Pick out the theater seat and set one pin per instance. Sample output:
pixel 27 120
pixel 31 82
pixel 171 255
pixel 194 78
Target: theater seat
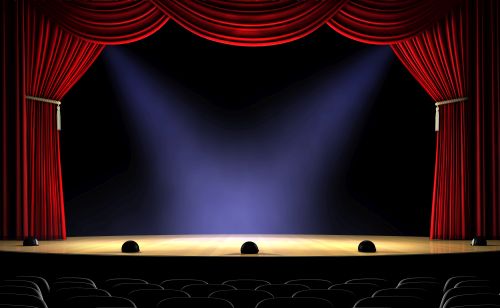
pixel 178 284
pixel 283 290
pixel 246 284
pixel 109 283
pixel 71 284
pixel 421 293
pixel 380 282
pixel 23 300
pixel 312 283
pixel 99 301
pixel 75 279
pixel 62 295
pixel 151 298
pixel 123 289
pixel 21 283
pixel 452 281
pixel 359 289
pixel 204 290
pixel 463 291
pixel 194 302
pixel 294 302
pixel 339 298
pixel 391 301
pixel 472 299
pixel 41 282
pixel 242 298
pixel 20 290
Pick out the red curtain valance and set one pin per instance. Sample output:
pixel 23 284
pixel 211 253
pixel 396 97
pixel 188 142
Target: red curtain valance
pixel 246 23
pixel 105 22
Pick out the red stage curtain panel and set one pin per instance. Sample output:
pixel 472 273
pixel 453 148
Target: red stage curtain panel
pixel 388 21
pixel 250 23
pixel 485 84
pixel 459 58
pixel 105 22
pixel 42 60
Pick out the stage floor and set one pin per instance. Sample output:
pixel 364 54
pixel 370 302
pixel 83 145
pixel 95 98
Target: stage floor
pixel 269 245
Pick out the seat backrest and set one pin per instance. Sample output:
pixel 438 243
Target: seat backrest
pixel 15 306
pixel 194 302
pixel 294 302
pixel 75 279
pixel 204 290
pixel 452 281
pixel 472 299
pixel 312 283
pixel 339 298
pixel 474 283
pixel 123 289
pixel 21 283
pixel 246 284
pixel 178 284
pixel 359 289
pixel 41 282
pixel 242 298
pixel 391 301
pixel 283 290
pixel 420 279
pixel 107 284
pixel 462 291
pixel 99 301
pixel 20 290
pixel 151 298
pixel 479 306
pixel 22 299
pixel 62 295
pixel 380 282
pixel 421 293
pixel 71 284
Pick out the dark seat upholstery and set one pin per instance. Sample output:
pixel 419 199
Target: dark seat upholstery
pixel 109 283
pixel 75 279
pixel 204 290
pixel 150 298
pixel 472 299
pixel 242 298
pixel 312 283
pixel 462 291
pixel 380 282
pixel 246 284
pixel 21 299
pixel 99 301
pixel 194 302
pixel 339 298
pixel 123 289
pixel 294 302
pixel 359 289
pixel 283 290
pixel 41 282
pixel 391 301
pixel 452 281
pixel 178 284
pixel 20 290
pixel 71 284
pixel 62 295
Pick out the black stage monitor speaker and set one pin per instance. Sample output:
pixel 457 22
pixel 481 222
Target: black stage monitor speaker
pixel 249 248
pixel 367 246
pixel 130 247
pixel 479 241
pixel 30 241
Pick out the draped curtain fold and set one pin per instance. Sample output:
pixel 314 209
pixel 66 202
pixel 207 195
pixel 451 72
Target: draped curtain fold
pixel 438 59
pixel 247 23
pixel 48 64
pixel 105 22
pixel 48 46
pixel 388 21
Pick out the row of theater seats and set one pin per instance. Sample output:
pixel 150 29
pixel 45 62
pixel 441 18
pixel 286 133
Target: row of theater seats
pixel 80 292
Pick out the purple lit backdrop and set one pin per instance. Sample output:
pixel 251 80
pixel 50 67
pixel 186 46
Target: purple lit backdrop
pixel 266 176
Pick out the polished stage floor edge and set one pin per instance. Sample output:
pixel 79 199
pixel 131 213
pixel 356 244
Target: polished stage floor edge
pixel 269 245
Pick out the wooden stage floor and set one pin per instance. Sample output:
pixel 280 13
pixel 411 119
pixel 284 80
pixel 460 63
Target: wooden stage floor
pixel 269 245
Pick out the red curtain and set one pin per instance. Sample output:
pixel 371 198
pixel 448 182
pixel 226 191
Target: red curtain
pixel 105 22
pixel 388 21
pixel 250 23
pixel 47 61
pixel 459 58
pixel 485 85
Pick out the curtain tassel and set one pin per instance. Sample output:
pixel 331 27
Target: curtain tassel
pixel 50 101
pixel 450 101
